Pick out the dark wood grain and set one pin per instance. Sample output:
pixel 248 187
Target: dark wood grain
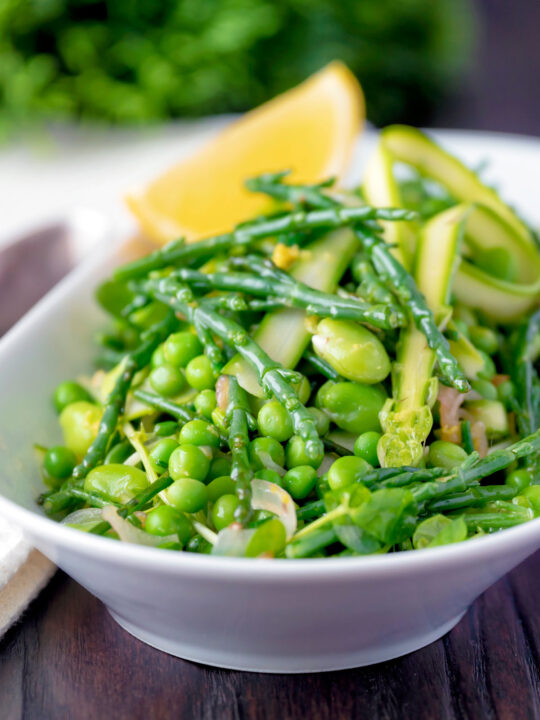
pixel 68 658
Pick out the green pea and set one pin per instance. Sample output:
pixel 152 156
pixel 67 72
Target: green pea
pixel 518 479
pixel 59 461
pixel 188 461
pixel 219 486
pixel 299 481
pixel 162 452
pixel 351 349
pixel 197 544
pixel 506 392
pixel 167 380
pixel 532 493
pixel 205 403
pixel 346 470
pixel 181 347
pixel 445 455
pixel 69 392
pixel 295 454
pixel 223 511
pixel 158 357
pixel 166 520
pixel 199 373
pixel 218 467
pixel 268 539
pixel 199 432
pixel 484 388
pixel 499 262
pixel 352 406
pixel 270 476
pixel 365 447
pixel 118 482
pixel 489 370
pixel 322 423
pixel 79 422
pixel 166 428
pixel 187 494
pixel 484 339
pixel 119 453
pixel 263 449
pixel 274 421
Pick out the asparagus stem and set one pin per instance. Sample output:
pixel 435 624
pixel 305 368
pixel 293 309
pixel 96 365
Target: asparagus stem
pixel 405 289
pixel 525 377
pixel 473 497
pixel 142 498
pixel 268 282
pixel 321 365
pixel 312 543
pixel 243 235
pixel 299 195
pixel 114 406
pixel 371 288
pixel 237 415
pixel 161 403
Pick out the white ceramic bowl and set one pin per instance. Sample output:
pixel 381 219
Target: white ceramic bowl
pixel 270 616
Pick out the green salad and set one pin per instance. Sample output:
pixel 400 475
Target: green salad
pixel 354 372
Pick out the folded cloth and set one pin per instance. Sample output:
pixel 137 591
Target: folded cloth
pixel 23 573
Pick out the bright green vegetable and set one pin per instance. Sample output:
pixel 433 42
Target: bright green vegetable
pixel 167 380
pixel 199 373
pixel 205 403
pixel 80 424
pixel 274 421
pixel 445 455
pixel 365 447
pixel 118 482
pixel 69 392
pixel 352 406
pixel 296 453
pixel 352 350
pixel 187 494
pixel 347 470
pixel 162 452
pixel 299 481
pixel 189 461
pixel 223 512
pixel 165 520
pixel 180 348
pixel 199 432
pixel 59 462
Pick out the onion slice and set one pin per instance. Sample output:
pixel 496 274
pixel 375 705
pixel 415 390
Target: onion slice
pixel 269 496
pixel 232 541
pixel 131 534
pixel 85 519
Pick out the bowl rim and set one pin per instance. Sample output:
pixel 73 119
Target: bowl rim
pixel 50 531
pixel 472 550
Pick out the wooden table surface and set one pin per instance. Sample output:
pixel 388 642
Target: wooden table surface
pixel 68 659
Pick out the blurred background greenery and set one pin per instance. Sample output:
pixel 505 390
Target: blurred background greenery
pixel 144 61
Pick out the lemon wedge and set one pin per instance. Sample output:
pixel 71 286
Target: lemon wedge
pixel 309 130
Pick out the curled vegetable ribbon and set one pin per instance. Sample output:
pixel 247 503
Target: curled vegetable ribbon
pixel 490 224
